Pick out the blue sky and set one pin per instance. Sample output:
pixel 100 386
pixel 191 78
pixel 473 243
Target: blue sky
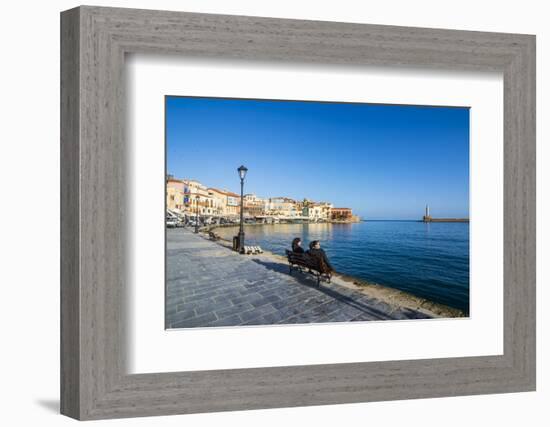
pixel 383 161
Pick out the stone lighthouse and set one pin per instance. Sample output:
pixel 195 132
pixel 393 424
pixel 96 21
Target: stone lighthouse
pixel 427 217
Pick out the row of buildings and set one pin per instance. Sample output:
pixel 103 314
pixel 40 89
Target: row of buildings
pixel 187 196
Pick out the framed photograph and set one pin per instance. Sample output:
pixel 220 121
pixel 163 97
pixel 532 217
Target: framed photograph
pixel 287 276
pixel 262 213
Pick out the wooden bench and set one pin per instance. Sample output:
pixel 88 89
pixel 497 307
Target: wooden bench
pixel 313 265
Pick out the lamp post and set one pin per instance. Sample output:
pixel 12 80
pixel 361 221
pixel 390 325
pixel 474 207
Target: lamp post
pixel 197 197
pixel 242 173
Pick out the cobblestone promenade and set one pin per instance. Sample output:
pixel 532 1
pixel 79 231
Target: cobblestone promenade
pixel 210 285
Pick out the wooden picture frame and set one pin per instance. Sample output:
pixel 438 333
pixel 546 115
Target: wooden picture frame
pixel 94 41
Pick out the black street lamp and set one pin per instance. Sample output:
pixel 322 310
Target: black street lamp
pixel 197 197
pixel 242 173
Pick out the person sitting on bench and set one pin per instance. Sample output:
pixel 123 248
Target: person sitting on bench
pixel 297 246
pixel 315 251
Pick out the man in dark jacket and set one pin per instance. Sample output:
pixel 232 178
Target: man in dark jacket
pixel 315 251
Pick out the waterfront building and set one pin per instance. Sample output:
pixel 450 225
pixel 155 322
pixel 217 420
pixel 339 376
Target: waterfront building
pixel 326 209
pixel 341 214
pixel 175 194
pixel 224 203
pixel 177 184
pixel 174 199
pixel 204 202
pixel 268 207
pixel 253 205
pixel 316 211
pixel 191 190
pixel 320 212
pixel 233 207
pixel 283 207
pixel 219 200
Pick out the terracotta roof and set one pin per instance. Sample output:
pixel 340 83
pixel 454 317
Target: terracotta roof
pixel 217 190
pixel 227 193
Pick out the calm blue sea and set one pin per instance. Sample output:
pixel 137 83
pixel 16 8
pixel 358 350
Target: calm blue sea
pixel 428 260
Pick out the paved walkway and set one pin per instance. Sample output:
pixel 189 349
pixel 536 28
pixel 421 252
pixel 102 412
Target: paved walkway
pixel 210 285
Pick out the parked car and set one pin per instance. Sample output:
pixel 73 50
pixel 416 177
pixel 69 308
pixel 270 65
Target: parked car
pixel 171 222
